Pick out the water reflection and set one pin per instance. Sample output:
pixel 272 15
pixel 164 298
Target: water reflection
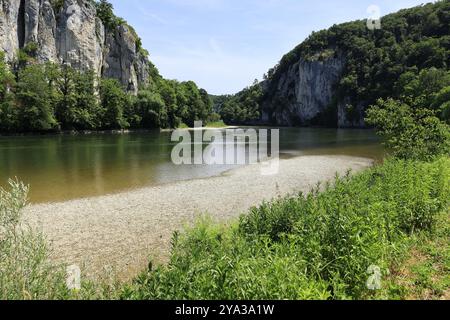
pixel 68 167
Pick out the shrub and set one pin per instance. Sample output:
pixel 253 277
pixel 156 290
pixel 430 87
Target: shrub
pixel 410 133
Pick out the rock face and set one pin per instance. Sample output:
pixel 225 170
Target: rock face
pixel 350 118
pixel 304 92
pixel 11 26
pixel 122 61
pixel 72 35
pixel 80 36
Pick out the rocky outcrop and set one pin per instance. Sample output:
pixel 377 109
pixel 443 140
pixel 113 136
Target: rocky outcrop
pixel 303 92
pixel 80 36
pixel 123 61
pixel 44 32
pixel 11 26
pixel 73 35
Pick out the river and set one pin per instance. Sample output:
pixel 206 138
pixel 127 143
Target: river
pixel 65 167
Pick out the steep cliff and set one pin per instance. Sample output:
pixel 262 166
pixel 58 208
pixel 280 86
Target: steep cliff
pixel 72 33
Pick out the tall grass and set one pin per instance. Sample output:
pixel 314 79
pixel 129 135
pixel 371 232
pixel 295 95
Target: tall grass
pixel 314 246
pixel 25 271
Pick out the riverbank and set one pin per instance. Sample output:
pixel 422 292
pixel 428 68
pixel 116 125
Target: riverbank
pixel 211 126
pixel 378 235
pixel 121 230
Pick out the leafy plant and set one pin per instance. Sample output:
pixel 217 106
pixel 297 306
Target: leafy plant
pixel 410 133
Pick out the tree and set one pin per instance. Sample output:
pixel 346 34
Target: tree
pixel 67 100
pixel 8 110
pixel 105 12
pixel 441 104
pixel 87 110
pixel 36 98
pixel 113 100
pixel 409 133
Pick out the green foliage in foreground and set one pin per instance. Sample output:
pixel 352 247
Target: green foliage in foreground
pixel 25 271
pixel 317 246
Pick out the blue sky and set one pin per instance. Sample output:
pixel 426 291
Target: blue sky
pixel 224 45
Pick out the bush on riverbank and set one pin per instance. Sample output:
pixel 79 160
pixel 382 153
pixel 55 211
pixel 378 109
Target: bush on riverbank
pixel 317 246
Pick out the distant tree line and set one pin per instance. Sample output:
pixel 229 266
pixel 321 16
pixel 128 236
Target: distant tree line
pixel 241 108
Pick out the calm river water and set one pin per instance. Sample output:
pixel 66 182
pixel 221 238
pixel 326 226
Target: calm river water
pixel 64 167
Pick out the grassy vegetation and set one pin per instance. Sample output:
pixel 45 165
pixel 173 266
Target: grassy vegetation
pixel 423 271
pixel 214 124
pixel 317 246
pixel 25 271
pixel 314 246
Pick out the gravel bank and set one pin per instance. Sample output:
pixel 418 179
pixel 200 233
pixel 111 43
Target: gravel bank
pixel 123 230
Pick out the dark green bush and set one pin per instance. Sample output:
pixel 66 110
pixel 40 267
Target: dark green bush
pixel 408 132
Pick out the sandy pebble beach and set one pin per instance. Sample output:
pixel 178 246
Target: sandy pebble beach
pixel 122 231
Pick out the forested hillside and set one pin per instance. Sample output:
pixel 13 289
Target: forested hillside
pixel 333 76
